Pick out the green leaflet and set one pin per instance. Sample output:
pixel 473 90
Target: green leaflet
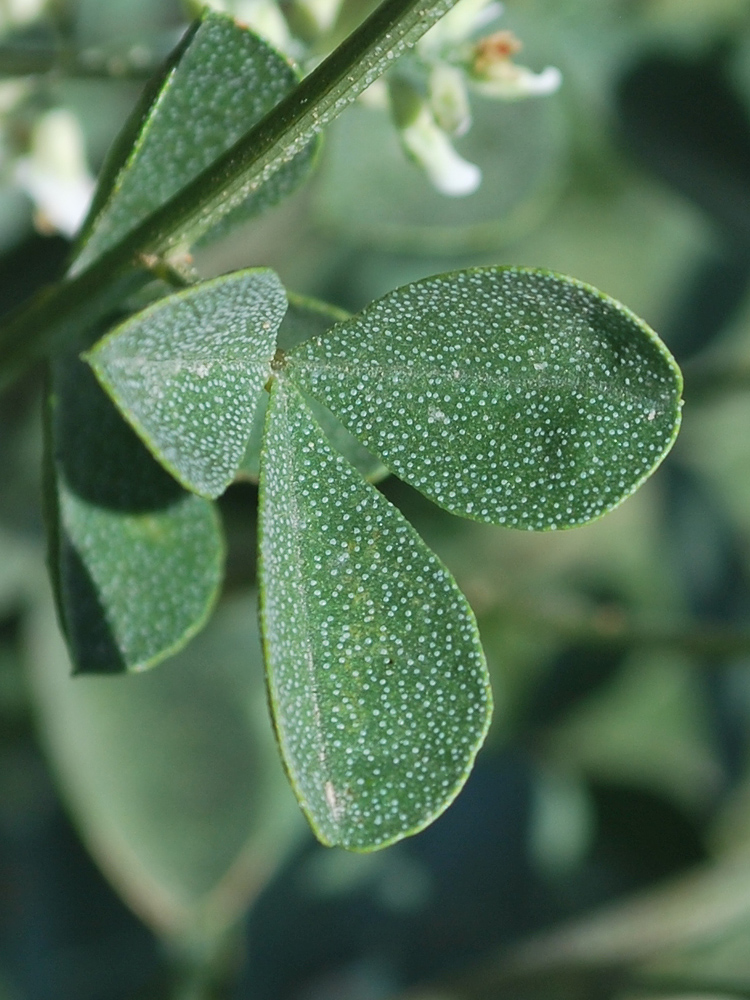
pixel 377 679
pixel 513 396
pixel 306 318
pixel 173 777
pixel 136 562
pixel 188 372
pixel 220 82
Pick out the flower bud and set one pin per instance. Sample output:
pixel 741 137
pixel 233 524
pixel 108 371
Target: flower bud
pixel 427 144
pixel 494 74
pixel 449 99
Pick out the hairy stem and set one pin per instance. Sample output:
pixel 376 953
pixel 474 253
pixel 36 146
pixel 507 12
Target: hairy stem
pixel 81 299
pixel 711 642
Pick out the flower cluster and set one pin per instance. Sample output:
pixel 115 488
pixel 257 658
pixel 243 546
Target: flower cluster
pixel 459 56
pixel 429 93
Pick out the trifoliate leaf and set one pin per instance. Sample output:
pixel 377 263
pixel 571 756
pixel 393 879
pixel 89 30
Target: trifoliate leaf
pixel 513 396
pixel 377 679
pixel 188 371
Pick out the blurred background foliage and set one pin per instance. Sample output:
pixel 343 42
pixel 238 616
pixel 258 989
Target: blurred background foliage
pixel 149 845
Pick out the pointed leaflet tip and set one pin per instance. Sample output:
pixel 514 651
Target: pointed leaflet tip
pixel 376 675
pixel 187 373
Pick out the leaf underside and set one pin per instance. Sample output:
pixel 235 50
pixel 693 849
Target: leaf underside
pixel 377 678
pixel 511 396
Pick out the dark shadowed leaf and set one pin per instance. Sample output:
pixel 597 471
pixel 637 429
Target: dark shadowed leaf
pixel 188 373
pixel 377 678
pixel 136 561
pixel 513 396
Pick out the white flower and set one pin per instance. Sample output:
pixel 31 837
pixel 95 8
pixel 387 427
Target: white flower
pixel 456 58
pixel 492 72
pixel 449 99
pixel 519 82
pixel 427 144
pixel 54 174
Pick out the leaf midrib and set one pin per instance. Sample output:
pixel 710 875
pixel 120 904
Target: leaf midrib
pixel 458 378
pixel 188 364
pixel 302 603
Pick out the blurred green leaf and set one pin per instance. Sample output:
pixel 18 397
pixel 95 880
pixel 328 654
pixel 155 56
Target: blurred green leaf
pixel 136 561
pixel 721 961
pixel 670 935
pixel 306 318
pixel 648 729
pixel 368 191
pixel 378 683
pixel 188 371
pixel 173 776
pixel 19 563
pixel 220 81
pixel 512 396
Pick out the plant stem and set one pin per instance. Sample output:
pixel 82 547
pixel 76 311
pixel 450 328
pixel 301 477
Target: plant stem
pixel 706 641
pixel 51 317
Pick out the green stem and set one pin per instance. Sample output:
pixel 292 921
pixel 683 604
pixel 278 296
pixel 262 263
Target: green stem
pixel 705 640
pixel 203 968
pixel 83 297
